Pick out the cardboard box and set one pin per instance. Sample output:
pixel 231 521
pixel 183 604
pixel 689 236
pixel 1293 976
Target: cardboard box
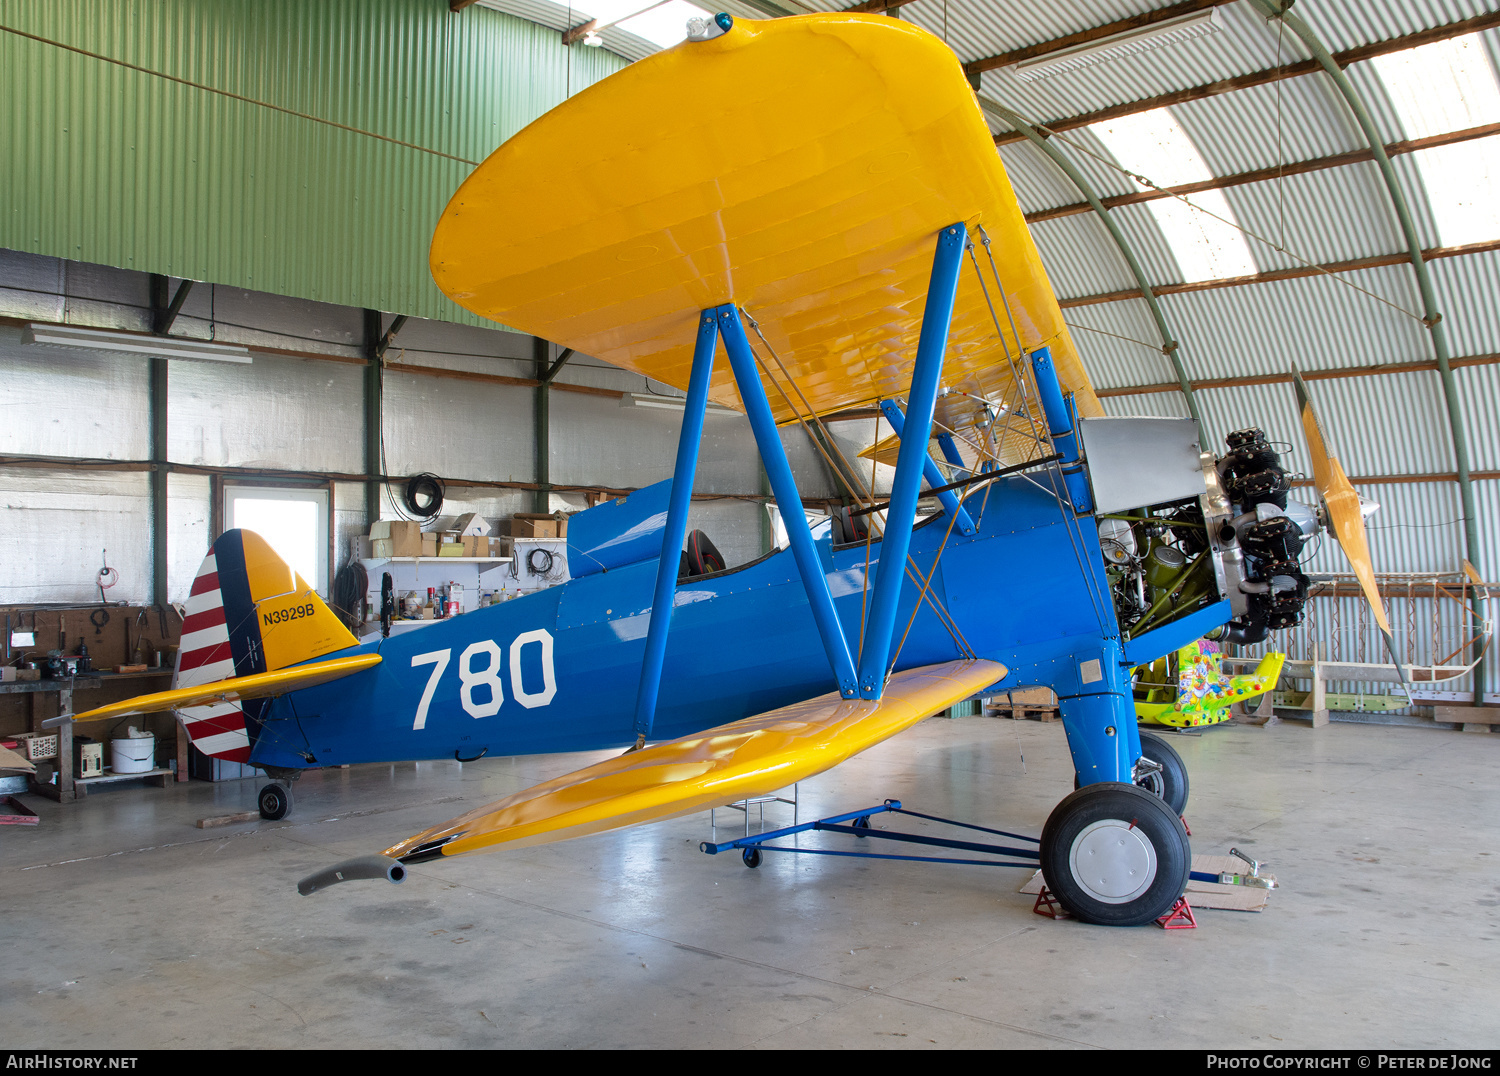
pixel 406 538
pixel 539 525
pixel 451 549
pixel 429 545
pixel 395 538
pixel 472 524
pixel 534 527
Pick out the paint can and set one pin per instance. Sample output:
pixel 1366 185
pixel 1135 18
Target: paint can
pixel 133 754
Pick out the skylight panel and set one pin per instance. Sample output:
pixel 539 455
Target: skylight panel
pixel 1153 144
pixel 1448 86
pixel 664 24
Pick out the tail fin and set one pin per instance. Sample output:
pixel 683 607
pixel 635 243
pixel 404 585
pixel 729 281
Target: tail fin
pixel 249 612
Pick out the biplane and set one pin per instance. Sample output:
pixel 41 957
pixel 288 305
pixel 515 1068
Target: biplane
pixel 819 199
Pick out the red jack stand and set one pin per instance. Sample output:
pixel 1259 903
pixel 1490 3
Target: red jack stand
pixel 1180 917
pixel 1046 904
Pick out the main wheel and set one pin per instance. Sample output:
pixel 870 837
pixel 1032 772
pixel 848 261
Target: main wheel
pixel 1115 854
pixel 275 801
pixel 1171 783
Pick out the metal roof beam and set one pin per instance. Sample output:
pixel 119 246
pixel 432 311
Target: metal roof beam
pixel 1082 37
pixel 1265 175
pixel 1343 59
pixel 1385 479
pixel 876 5
pixel 1373 262
pixel 1307 375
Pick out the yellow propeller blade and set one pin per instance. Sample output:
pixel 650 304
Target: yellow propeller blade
pixel 1311 429
pixel 1345 517
pixel 1348 524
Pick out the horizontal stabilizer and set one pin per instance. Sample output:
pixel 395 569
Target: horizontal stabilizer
pixel 750 757
pixel 234 689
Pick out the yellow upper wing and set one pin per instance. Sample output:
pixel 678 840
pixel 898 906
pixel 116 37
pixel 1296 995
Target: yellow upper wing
pixel 745 758
pixel 800 168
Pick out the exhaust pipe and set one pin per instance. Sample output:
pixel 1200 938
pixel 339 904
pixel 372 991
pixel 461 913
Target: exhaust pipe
pixel 361 867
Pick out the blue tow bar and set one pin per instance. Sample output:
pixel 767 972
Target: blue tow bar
pixel 752 847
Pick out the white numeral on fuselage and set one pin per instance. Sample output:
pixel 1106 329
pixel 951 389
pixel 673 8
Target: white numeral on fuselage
pixel 488 677
pixel 487 655
pixel 440 659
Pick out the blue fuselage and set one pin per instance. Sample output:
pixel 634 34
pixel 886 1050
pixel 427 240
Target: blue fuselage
pixel 558 670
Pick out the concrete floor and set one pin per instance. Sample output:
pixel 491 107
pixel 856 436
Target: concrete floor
pixel 129 928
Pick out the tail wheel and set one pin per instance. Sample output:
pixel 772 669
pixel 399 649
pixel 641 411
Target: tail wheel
pixel 274 802
pixel 1170 783
pixel 1115 854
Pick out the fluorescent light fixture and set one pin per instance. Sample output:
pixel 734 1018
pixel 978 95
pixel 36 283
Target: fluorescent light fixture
pixel 667 403
pixel 161 347
pixel 1118 46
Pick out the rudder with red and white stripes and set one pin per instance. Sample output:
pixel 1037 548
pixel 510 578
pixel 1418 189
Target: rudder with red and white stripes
pixel 247 612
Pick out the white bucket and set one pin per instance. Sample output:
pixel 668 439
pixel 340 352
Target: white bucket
pixel 133 755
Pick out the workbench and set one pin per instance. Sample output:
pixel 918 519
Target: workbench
pixel 52 697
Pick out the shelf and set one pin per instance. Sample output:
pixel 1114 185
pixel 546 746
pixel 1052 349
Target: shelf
pixel 77 683
pixel 378 561
pixel 158 776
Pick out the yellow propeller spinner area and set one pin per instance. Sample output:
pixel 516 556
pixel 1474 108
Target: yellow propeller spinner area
pixel 696 177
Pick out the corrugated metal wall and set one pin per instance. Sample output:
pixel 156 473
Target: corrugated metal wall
pixel 301 153
pixel 304 414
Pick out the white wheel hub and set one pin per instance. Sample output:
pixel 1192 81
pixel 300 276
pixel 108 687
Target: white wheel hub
pixel 1113 861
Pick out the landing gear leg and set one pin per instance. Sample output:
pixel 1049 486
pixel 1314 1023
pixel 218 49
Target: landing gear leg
pixel 1115 854
pixel 1170 781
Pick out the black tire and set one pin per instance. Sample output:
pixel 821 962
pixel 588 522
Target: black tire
pixel 751 856
pixel 275 802
pixel 1116 855
pixel 862 822
pixel 1171 784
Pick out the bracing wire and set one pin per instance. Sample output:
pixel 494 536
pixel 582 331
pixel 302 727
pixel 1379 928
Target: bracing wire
pixel 1042 436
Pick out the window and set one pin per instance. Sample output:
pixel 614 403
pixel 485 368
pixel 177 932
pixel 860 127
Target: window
pixel 293 520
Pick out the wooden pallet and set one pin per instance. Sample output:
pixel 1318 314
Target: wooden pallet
pixel 1029 704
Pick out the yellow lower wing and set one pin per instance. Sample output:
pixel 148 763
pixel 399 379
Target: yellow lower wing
pixel 234 689
pixel 746 758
